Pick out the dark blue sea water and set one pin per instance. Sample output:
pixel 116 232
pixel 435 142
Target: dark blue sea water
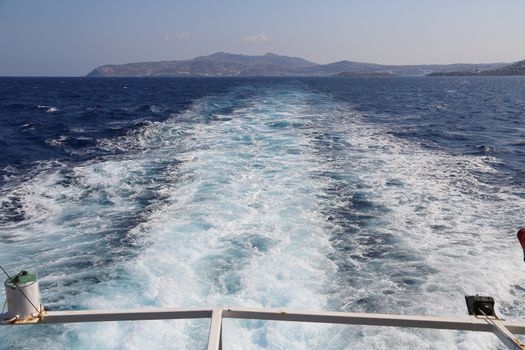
pixel 357 194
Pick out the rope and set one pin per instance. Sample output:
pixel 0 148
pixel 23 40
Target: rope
pixel 20 290
pixel 487 318
pixel 515 340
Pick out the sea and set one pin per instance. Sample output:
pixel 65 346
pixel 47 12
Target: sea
pixel 382 195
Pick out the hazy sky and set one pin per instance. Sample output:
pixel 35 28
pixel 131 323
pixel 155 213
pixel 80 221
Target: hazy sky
pixel 71 37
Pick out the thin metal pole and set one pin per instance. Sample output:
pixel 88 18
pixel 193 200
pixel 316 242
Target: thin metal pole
pixel 220 341
pixel 215 337
pixel 507 337
pixel 141 314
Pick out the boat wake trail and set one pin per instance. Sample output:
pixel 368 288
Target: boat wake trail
pixel 265 196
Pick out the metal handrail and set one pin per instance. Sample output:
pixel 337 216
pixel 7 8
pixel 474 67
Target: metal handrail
pixel 504 329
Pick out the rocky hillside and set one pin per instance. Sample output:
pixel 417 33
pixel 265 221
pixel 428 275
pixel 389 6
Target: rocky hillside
pixel 227 64
pixel 217 64
pixel 517 68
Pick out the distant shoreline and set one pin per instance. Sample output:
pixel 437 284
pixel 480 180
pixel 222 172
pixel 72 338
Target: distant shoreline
pixel 255 77
pixel 223 64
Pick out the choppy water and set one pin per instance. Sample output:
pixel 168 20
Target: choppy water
pixel 378 195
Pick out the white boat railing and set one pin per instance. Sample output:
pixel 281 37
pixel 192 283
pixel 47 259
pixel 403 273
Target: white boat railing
pixel 24 307
pixel 503 329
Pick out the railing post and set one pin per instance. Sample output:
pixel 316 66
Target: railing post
pixel 215 337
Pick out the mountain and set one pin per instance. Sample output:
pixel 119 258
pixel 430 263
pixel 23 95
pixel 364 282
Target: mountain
pixel 269 58
pixel 404 70
pixel 270 64
pixel 517 68
pixel 217 64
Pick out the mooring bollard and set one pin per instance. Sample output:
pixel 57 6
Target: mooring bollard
pixel 22 296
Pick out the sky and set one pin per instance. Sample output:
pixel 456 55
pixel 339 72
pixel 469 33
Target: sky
pixel 71 37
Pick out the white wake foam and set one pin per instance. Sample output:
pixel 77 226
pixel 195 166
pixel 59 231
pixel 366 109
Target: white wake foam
pixel 259 207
